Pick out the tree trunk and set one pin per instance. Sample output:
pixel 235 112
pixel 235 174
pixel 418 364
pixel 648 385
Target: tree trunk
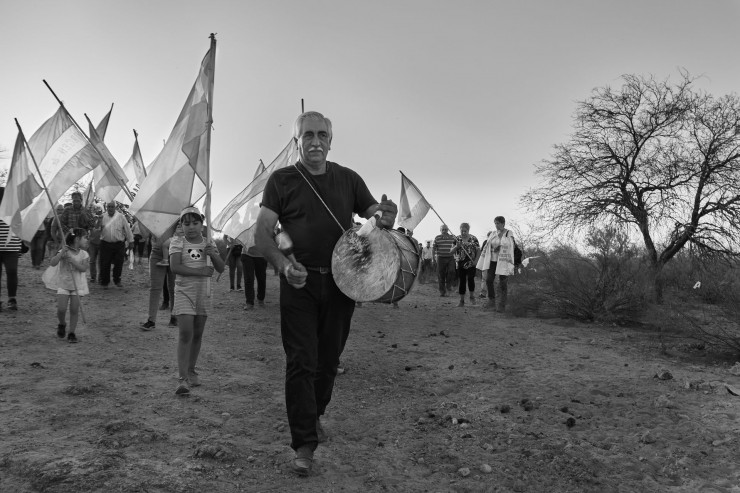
pixel 656 279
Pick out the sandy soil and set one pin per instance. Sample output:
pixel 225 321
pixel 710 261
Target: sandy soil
pixel 435 398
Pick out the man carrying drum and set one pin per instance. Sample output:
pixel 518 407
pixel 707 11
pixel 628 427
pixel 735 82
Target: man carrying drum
pixel 314 202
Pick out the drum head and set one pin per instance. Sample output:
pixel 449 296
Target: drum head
pixel 365 268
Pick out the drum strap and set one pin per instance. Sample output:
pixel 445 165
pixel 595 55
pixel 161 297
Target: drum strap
pixel 319 196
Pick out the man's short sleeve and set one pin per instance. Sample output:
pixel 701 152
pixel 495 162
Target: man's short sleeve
pixel 270 196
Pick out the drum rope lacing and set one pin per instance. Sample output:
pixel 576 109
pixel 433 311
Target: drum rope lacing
pixel 322 200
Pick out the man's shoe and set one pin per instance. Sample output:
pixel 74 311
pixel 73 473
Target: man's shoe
pixel 12 304
pixel 183 387
pixel 173 321
pixel 261 303
pixel 164 306
pixel 71 338
pixel 320 433
pixel 148 325
pixel 119 285
pixel 240 288
pixel 61 330
pixel 249 307
pixel 303 460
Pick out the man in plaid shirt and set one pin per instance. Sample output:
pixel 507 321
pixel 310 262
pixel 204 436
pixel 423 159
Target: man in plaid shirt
pixel 76 216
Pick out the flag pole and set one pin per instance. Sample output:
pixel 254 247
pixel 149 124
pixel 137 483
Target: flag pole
pixel 136 141
pixel 209 123
pixel 124 187
pixel 53 209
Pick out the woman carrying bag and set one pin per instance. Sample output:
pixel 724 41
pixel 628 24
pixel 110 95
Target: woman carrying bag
pixel 497 259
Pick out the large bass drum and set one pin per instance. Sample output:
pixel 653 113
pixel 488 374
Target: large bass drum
pixel 380 266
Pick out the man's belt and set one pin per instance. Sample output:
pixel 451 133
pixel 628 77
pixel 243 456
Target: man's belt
pixel 320 270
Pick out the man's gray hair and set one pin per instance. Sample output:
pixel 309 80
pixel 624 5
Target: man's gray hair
pixel 310 115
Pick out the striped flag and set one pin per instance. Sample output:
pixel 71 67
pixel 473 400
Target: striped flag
pixel 108 175
pixel 260 169
pixel 20 189
pixel 177 177
pixel 239 216
pixel 134 169
pixel 413 206
pixel 63 155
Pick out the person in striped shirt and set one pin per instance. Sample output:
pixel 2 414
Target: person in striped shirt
pixel 442 247
pixel 10 248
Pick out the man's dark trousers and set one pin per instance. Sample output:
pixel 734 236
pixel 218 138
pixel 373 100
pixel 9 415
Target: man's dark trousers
pixel 445 273
pixel 314 323
pixel 111 253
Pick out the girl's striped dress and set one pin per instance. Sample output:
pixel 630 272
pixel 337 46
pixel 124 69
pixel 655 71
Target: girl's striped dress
pixel 191 292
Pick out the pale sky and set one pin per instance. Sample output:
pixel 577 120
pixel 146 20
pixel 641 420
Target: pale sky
pixel 463 96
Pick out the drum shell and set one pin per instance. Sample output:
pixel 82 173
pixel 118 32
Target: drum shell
pixel 386 275
pixel 410 257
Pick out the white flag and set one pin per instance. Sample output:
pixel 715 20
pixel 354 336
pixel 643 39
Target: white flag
pixel 135 174
pixel 63 155
pixel 177 177
pixel 239 216
pixel 21 188
pixel 413 206
pixel 108 175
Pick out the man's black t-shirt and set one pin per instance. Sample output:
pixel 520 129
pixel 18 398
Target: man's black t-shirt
pixel 302 215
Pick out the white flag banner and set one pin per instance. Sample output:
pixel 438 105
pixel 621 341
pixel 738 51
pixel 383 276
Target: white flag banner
pixel 135 174
pixel 63 155
pixel 239 216
pixel 413 207
pixel 177 177
pixel 20 189
pixel 108 175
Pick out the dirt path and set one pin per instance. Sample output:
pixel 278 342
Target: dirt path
pixel 435 398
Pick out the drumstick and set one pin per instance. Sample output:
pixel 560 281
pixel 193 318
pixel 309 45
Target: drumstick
pixel 369 225
pixel 285 245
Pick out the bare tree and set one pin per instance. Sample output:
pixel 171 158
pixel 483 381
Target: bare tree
pixel 661 157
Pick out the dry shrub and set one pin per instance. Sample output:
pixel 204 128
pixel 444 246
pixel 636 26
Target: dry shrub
pixel 711 311
pixel 525 299
pixel 606 285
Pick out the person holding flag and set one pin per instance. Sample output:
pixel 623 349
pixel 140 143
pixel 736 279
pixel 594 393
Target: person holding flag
pixel 465 250
pixel 314 201
pixel 188 262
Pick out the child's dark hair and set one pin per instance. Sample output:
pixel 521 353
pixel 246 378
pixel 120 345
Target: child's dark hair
pixel 74 233
pixel 192 217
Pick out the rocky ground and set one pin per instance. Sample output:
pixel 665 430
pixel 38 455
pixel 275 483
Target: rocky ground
pixel 435 398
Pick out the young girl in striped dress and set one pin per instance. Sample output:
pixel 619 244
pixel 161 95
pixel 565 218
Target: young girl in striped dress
pixel 192 300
